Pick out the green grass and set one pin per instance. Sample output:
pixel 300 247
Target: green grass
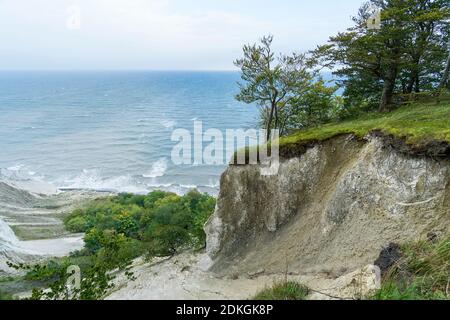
pixel 423 273
pixel 5 296
pixel 417 123
pixel 283 291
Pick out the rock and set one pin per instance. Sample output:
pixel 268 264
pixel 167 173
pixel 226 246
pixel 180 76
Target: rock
pixel 388 257
pixel 333 207
pixel 357 285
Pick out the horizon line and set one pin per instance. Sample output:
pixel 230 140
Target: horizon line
pixel 119 70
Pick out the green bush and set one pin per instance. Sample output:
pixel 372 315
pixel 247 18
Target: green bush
pixel 287 290
pixel 117 250
pixel 119 229
pixel 162 222
pixel 76 224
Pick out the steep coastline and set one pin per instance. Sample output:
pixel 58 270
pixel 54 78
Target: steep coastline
pixel 334 205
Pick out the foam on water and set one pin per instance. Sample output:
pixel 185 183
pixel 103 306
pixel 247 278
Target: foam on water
pixel 168 124
pixel 158 169
pixel 93 180
pixel 112 131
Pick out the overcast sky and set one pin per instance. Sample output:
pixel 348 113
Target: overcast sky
pixel 158 34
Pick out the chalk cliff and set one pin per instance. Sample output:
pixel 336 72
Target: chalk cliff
pixel 332 207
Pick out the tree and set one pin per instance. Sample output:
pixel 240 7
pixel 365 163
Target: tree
pixel 406 53
pixel 444 79
pixel 426 47
pixel 269 81
pixel 316 106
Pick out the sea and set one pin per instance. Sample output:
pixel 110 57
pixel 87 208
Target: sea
pixel 112 131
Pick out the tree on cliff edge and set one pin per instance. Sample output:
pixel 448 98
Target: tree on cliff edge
pixel 271 82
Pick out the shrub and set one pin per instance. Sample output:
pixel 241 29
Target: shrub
pixel 76 224
pixel 287 290
pixel 119 229
pixel 165 240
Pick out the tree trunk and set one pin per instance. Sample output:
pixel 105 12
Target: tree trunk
pixel 413 82
pixel 277 120
pixel 269 122
pixel 389 81
pixel 388 91
pixel 444 78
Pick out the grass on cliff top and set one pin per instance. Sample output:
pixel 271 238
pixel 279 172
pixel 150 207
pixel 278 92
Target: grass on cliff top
pixel 417 123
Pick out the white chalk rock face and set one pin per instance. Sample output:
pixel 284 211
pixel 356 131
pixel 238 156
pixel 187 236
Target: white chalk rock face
pixel 332 207
pixel 357 285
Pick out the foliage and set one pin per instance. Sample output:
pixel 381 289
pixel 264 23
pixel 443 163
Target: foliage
pixel 375 67
pixel 162 222
pixel 423 273
pixel 5 296
pixel 316 106
pixel 117 230
pixel 271 82
pixel 408 53
pixel 286 290
pixel 53 275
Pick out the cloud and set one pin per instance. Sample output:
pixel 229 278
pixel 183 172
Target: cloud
pixel 128 33
pixel 144 34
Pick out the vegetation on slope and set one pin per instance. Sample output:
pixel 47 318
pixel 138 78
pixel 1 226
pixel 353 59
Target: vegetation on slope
pixel 161 222
pixel 418 123
pixel 422 273
pixel 375 68
pixel 286 290
pixel 117 230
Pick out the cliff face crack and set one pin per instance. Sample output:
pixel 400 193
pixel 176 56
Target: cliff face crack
pixel 416 203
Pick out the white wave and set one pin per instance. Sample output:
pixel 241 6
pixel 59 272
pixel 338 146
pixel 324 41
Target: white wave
pixel 93 180
pixel 158 169
pixel 16 168
pixel 213 184
pixel 159 185
pixel 188 186
pixel 169 124
pixel 179 189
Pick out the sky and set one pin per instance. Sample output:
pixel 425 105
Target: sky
pixel 158 34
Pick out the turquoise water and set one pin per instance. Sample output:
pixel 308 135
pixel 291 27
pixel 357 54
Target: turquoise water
pixel 112 130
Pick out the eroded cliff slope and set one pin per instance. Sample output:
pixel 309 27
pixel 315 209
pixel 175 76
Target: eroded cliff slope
pixel 331 208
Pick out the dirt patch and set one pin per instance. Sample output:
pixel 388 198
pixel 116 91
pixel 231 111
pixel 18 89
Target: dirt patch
pixel 432 148
pixel 388 257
